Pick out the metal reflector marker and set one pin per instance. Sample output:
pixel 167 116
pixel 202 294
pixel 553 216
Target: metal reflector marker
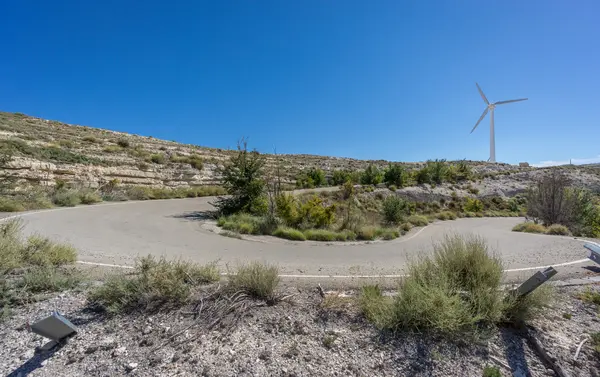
pixel 54 327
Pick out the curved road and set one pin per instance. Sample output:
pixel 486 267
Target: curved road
pixel 117 233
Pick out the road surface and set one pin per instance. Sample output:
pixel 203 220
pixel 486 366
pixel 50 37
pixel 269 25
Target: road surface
pixel 118 233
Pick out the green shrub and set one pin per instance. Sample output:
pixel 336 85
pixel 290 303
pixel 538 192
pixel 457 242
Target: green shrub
pixel 388 233
pixel 395 175
pixel 446 215
pixel 491 371
pixel 42 251
pixel 123 143
pixel 196 162
pixel 243 179
pixel 256 279
pixel 112 149
pixel 247 224
pixel 315 214
pixel 519 310
pixel 289 233
pixel 557 229
pixel 287 209
pixel 328 235
pixel 158 158
pixel 394 209
pixel 11 205
pixel 473 205
pixel 90 139
pixel 392 188
pixel 89 197
pixel 314 177
pixel 528 227
pixel 371 176
pixel 66 198
pixel 423 175
pixel 407 226
pixel 589 295
pixel 49 279
pixel 453 292
pixel 367 233
pixel 418 220
pixel 340 177
pixel 438 170
pixel 155 284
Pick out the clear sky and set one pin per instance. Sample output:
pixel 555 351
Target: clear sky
pixel 365 79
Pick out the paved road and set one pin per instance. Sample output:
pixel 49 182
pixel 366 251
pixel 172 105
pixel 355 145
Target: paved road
pixel 117 233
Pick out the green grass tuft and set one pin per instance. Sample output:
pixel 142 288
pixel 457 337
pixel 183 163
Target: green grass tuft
pixel 289 233
pixel 418 220
pixel 156 284
pixel 528 227
pixel 557 229
pixel 256 279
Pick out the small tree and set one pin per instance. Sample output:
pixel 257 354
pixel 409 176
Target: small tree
pixel 395 174
pixel 371 176
pixel 549 201
pixel 243 180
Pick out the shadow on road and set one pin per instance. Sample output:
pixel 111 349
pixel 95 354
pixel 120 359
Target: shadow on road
pixel 195 215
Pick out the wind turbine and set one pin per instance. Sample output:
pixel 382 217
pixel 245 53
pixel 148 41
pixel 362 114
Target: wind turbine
pixel 491 107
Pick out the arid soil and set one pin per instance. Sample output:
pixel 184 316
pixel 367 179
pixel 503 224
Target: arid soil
pixel 302 336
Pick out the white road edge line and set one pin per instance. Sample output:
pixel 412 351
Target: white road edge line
pixel 357 276
pixel 291 276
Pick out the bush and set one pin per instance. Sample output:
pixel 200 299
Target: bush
pixel 89 197
pixel 243 180
pixel 340 177
pixel 453 292
pixel 418 220
pixel 158 158
pixel 287 209
pixel 473 205
pixel 48 279
pixel 446 215
pixel 438 170
pixel 66 198
pixel 244 223
pixel 315 214
pixel 328 235
pixel 256 279
pixel 11 205
pixel 42 251
pixel 491 371
pixel 314 177
pixel 289 233
pixel 123 143
pixel 90 139
pixel 388 233
pixel 394 208
pixel 112 149
pixel 196 162
pixel 519 310
pixel 423 175
pixel 395 175
pixel 557 229
pixel 155 284
pixel 367 233
pixel 528 227
pixel 371 176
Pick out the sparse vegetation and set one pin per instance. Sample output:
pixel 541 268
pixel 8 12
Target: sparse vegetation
pixel 454 292
pixel 394 209
pixel 491 371
pixel 289 233
pixel 158 158
pixel 557 229
pixel 155 284
pixel 529 227
pixel 31 265
pixel 256 279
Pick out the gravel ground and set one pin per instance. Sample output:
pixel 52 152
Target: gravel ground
pixel 299 337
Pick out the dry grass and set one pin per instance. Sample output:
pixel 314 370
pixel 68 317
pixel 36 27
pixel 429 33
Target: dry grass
pixel 155 284
pixel 256 279
pixel 455 292
pixel 529 227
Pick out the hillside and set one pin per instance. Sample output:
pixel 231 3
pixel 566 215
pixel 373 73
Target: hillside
pixel 44 152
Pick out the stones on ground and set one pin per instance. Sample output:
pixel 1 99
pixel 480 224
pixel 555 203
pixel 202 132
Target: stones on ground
pixel 91 349
pixel 131 366
pixel 147 330
pixel 120 351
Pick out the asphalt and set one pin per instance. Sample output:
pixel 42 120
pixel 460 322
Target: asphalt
pixel 118 233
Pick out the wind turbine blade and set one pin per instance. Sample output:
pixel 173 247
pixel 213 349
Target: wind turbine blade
pixel 511 100
pixel 480 119
pixel 482 95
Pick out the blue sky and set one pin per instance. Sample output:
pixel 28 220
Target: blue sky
pixel 365 79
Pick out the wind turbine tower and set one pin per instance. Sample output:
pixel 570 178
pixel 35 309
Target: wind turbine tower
pixel 491 107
